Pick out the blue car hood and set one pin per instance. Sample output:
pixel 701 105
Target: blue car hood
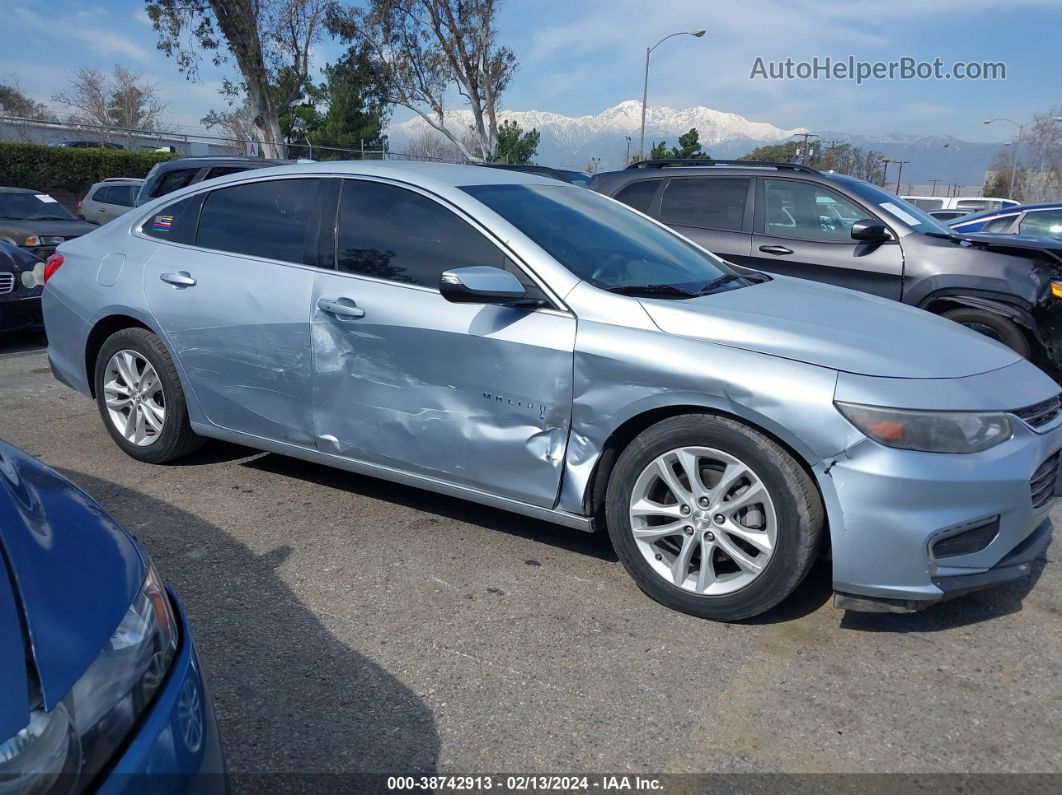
pixel 832 327
pixel 69 573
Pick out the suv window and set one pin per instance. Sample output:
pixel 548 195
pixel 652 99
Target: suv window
pixel 1042 222
pixel 122 195
pixel 221 171
pixel 926 204
pixel 260 219
pixel 712 202
pixel 396 234
pixel 639 195
pixel 173 180
pixel 806 211
pixel 175 222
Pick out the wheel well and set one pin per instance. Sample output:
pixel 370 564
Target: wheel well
pixel 594 498
pixel 99 334
pixel 938 306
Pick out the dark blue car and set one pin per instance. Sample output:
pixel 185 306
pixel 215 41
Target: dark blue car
pixel 100 686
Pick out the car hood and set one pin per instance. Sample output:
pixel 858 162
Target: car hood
pixel 65 229
pixel 72 571
pixel 832 327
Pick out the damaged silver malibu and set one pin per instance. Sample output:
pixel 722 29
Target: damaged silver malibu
pixel 527 344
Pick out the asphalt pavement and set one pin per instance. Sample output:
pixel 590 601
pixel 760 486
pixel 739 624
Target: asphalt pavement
pixel 352 625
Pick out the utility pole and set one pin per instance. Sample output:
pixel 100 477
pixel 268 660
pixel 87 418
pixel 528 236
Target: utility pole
pixel 934 182
pixel 885 170
pixel 899 173
pixel 804 150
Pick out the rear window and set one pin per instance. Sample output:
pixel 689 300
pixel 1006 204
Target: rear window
pixel 639 195
pixel 260 219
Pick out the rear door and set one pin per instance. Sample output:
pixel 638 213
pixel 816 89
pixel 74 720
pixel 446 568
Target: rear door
pixel 804 229
pixel 232 297
pixel 713 211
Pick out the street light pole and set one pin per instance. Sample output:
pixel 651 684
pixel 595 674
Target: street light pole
pixel 1017 146
pixel 645 84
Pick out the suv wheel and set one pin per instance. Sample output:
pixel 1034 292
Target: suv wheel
pixel 712 518
pixel 992 325
pixel 140 398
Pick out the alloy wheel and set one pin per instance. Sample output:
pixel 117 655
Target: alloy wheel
pixel 703 520
pixel 133 394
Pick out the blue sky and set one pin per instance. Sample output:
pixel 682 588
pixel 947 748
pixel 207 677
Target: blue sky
pixel 582 56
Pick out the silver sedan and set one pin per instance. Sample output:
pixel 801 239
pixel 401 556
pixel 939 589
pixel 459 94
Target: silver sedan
pixel 523 343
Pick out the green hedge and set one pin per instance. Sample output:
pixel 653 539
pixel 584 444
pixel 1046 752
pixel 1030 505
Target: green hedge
pixel 57 168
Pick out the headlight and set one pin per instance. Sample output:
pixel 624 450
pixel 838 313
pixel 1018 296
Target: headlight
pixel 929 431
pixel 37 240
pixel 73 741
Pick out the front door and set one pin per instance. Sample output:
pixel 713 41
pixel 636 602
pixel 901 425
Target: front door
pixel 804 229
pixel 473 394
pixel 233 303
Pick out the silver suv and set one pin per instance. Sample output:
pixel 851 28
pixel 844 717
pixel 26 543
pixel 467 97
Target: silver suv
pixel 109 199
pixel 511 340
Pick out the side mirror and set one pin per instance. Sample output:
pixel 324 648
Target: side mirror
pixel 870 230
pixel 480 284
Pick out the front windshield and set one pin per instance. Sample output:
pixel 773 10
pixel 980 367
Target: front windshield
pixel 895 207
pixel 32 207
pixel 601 241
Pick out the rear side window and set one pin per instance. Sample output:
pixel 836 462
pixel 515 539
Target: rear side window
pixel 175 223
pixel 101 195
pixel 710 202
pixel 396 234
pixel 173 180
pixel 639 195
pixel 260 219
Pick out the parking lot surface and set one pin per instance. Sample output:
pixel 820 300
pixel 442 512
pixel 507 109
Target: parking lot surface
pixel 352 625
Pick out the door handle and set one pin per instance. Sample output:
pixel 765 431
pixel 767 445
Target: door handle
pixel 178 279
pixel 776 250
pixel 342 307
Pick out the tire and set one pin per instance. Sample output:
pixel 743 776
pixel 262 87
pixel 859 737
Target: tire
pixel 992 325
pixel 731 592
pixel 165 440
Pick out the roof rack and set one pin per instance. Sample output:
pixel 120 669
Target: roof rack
pixel 706 162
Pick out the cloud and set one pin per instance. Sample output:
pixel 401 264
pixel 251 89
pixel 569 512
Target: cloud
pixel 98 40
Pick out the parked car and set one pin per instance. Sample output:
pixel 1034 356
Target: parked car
pixel 794 220
pixel 87 145
pixel 947 215
pixel 36 222
pixel 523 343
pixel 106 200
pixel 1044 220
pixel 20 290
pixel 100 676
pixel 579 178
pixel 970 204
pixel 171 175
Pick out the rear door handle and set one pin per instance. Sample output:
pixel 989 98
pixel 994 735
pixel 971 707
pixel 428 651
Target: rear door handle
pixel 178 279
pixel 341 307
pixel 776 250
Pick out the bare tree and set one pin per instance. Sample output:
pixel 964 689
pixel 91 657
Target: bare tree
pixel 237 124
pixel 118 103
pixel 427 48
pixel 270 40
pixel 426 144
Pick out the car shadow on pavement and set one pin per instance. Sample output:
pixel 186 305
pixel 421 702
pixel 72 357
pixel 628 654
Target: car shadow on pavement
pixel 22 341
pixel 809 597
pixel 973 608
pixel 593 544
pixel 297 709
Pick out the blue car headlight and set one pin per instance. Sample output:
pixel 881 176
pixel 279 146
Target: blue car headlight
pixel 62 750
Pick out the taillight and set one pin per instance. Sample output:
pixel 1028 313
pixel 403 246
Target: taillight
pixel 51 265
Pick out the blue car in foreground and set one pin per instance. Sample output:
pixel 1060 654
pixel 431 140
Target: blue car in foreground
pixel 100 685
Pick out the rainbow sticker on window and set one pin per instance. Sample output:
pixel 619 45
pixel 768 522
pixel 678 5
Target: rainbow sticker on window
pixel 162 223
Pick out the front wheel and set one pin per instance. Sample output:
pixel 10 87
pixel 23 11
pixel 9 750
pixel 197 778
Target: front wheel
pixel 992 325
pixel 712 518
pixel 140 398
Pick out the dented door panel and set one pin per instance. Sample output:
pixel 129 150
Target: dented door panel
pixel 478 395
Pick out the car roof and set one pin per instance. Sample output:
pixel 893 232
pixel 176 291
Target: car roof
pixel 1012 210
pixel 199 162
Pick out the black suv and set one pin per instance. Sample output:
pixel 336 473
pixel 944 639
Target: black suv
pixel 794 220
pixel 171 175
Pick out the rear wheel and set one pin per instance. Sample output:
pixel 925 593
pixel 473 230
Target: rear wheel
pixel 712 518
pixel 140 398
pixel 992 325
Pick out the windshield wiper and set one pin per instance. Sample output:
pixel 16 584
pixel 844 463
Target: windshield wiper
pixel 727 278
pixel 652 290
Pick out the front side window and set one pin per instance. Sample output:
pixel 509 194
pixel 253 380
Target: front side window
pixel 122 195
pixel 808 212
pixel 639 195
pixel 603 242
pixel 268 219
pixel 709 202
pixel 1042 222
pixel 395 234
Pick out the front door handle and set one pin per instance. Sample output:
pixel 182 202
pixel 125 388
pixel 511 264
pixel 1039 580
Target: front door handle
pixel 341 307
pixel 178 279
pixel 776 250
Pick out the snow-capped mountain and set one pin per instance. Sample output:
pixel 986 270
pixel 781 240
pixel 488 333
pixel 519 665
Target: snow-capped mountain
pixel 571 141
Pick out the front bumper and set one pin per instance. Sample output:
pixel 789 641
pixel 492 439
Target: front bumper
pixel 175 747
